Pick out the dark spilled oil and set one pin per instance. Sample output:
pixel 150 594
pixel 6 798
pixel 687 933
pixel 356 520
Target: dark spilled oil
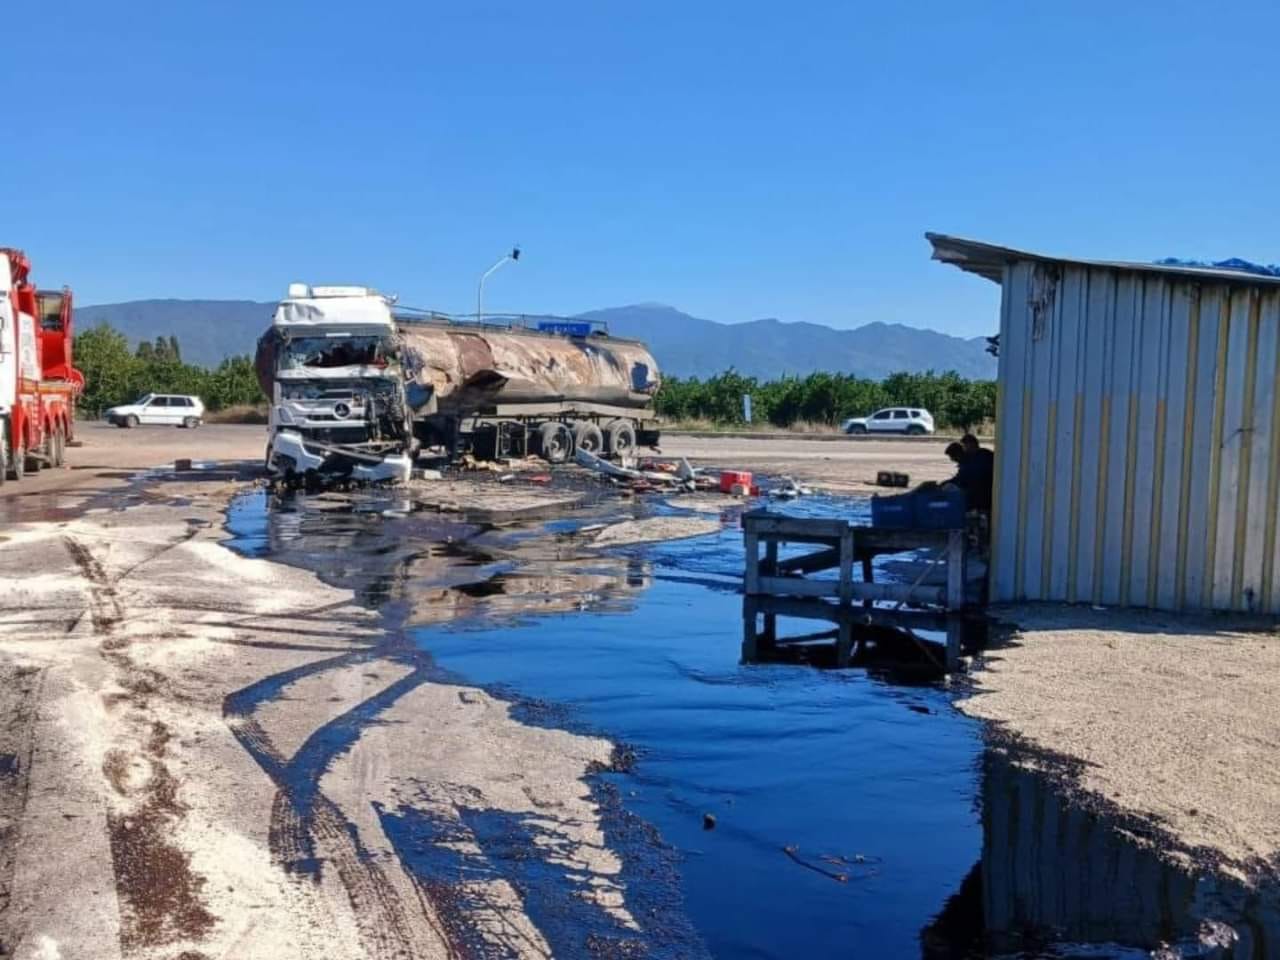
pixel 761 809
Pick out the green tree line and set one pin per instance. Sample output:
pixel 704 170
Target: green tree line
pixel 827 398
pixel 114 374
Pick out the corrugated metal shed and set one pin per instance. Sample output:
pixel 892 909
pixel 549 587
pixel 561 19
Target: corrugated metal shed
pixel 1137 432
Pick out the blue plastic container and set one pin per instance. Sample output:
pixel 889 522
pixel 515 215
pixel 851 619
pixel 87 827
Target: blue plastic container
pixel 939 509
pixel 897 512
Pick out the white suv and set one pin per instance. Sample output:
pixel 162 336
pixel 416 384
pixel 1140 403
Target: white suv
pixel 163 408
pixel 910 420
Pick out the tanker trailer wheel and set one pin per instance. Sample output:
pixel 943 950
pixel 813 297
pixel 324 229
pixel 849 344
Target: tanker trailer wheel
pixel 555 442
pixel 587 436
pixel 619 438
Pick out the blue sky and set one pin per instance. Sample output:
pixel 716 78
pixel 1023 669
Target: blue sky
pixel 736 160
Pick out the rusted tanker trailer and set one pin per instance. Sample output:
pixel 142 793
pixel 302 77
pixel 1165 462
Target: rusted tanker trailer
pixel 500 390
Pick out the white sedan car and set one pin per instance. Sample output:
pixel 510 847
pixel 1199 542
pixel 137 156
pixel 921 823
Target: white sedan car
pixel 913 421
pixel 173 410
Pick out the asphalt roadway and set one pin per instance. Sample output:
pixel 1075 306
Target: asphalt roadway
pixel 108 455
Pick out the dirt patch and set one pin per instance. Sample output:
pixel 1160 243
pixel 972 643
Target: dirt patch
pixel 160 896
pixel 115 767
pixel 653 529
pixel 1168 719
pixel 104 605
pixel 160 737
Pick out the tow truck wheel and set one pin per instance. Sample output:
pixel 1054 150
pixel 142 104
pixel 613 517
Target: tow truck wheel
pixel 587 436
pixel 555 442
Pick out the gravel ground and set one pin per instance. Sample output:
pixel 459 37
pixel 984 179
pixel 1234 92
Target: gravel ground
pixel 1168 719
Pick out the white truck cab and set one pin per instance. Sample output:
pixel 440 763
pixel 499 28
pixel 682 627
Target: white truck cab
pixel 338 409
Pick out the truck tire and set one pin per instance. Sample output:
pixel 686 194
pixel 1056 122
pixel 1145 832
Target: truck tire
pixel 4 452
pixel 58 447
pixel 587 436
pixel 17 463
pixel 555 442
pixel 619 438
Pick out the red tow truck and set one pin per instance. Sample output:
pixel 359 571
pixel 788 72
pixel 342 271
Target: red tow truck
pixel 38 382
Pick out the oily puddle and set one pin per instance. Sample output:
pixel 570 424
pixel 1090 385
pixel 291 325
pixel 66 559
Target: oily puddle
pixel 806 812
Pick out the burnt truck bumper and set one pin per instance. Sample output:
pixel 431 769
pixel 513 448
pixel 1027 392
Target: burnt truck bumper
pixel 290 455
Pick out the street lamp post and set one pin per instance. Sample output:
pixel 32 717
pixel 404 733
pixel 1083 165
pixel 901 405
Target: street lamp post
pixel 512 256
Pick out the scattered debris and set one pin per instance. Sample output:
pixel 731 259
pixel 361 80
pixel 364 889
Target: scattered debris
pixel 600 465
pixel 793 852
pixel 469 462
pixel 788 489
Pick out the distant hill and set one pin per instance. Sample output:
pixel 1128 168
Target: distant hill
pixel 684 346
pixel 689 346
pixel 207 330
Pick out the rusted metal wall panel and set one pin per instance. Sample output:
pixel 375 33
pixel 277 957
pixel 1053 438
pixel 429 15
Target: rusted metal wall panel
pixel 1138 439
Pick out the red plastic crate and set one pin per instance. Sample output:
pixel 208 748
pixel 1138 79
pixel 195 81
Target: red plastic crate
pixel 731 478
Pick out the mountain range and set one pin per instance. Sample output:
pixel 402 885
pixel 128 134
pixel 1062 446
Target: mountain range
pixel 684 346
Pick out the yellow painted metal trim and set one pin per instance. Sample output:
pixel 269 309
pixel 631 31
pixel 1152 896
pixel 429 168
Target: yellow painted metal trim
pixel 996 511
pixel 1130 478
pixel 1188 434
pixel 1073 535
pixel 1050 486
pixel 1215 452
pixel 1023 461
pixel 1104 456
pixel 1157 488
pixel 1270 506
pixel 1002 441
pixel 1161 445
pixel 1246 451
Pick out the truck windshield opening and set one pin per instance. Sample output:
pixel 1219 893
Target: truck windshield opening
pixel 345 352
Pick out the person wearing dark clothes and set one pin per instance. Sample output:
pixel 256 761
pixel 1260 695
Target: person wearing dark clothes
pixel 976 473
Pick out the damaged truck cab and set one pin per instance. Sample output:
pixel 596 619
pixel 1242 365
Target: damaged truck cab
pixel 331 361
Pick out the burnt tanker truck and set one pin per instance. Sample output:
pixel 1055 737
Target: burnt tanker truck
pixel 358 386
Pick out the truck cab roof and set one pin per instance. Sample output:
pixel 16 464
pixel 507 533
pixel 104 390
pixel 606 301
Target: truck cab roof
pixel 345 309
